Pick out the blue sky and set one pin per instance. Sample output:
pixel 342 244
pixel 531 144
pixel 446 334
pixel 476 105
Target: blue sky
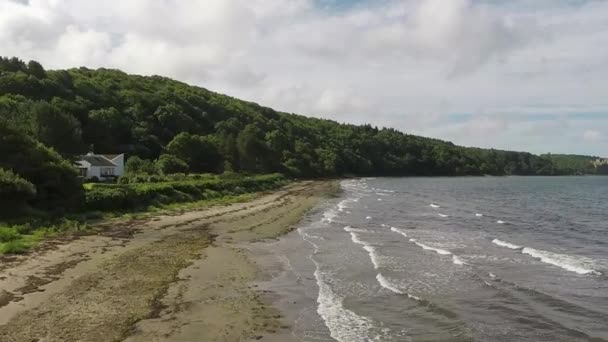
pixel 519 74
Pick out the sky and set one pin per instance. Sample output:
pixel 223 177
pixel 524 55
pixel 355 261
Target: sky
pixel 527 75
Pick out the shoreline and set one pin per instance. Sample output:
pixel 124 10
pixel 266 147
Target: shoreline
pixel 168 278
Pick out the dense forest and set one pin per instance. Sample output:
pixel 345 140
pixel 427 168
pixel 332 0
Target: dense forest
pixel 47 118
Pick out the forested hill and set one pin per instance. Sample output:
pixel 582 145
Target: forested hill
pixel 198 130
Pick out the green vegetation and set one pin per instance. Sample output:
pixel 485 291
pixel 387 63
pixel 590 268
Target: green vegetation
pixel 569 164
pixel 125 197
pixel 171 131
pixel 20 238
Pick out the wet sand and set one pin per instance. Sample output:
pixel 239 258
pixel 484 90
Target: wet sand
pixel 186 277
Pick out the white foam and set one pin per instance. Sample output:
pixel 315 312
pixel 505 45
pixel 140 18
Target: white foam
pixel 372 255
pixel 379 199
pixel 342 204
pixel 399 231
pixel 344 325
pixel 368 248
pixel 429 248
pixel 329 216
pixel 505 244
pixel 492 275
pixel 356 230
pixel 387 284
pixel 384 282
pixel 456 260
pixel 479 215
pixel 384 225
pixel 500 222
pixel 579 265
pixel 442 215
pixel 435 205
pixel 368 217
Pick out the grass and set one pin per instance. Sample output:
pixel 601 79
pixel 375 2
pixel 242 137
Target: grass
pixel 21 238
pixel 16 239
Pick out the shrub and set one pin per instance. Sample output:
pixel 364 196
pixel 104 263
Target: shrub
pixel 55 179
pixel 14 192
pixel 128 196
pixel 169 164
pixel 9 234
pixel 14 247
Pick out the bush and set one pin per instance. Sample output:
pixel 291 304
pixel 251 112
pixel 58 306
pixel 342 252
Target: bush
pixel 14 247
pixel 9 234
pixel 54 178
pixel 128 196
pixel 14 192
pixel 169 164
pixel 136 165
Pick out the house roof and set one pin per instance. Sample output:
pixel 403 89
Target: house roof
pixel 111 156
pixel 97 160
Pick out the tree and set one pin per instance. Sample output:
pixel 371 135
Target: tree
pixel 108 129
pixel 252 149
pixel 56 181
pixel 136 165
pixel 55 128
pixel 14 193
pixel 170 164
pixel 35 69
pixel 200 153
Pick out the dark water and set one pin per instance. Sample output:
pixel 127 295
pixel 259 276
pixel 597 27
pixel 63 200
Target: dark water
pixel 455 259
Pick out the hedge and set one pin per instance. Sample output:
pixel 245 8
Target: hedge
pixel 140 195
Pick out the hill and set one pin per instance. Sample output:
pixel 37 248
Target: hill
pixel 62 113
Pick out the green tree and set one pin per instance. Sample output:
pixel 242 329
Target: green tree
pixel 14 193
pixel 169 164
pixel 56 181
pixel 136 165
pixel 200 153
pixel 55 128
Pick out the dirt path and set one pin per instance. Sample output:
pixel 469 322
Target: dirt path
pixel 171 278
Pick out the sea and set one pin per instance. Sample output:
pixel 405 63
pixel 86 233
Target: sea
pixel 450 259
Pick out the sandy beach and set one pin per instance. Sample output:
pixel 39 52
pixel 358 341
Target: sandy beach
pixel 179 277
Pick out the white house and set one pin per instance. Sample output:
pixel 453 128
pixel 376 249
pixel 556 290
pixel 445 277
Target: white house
pixel 102 166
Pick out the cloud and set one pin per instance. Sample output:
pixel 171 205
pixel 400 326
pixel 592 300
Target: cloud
pixel 408 64
pixel 591 135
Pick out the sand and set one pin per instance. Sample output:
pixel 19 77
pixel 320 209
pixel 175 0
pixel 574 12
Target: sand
pixel 186 277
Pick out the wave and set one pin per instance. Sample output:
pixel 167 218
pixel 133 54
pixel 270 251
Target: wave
pixel 368 217
pixel 435 206
pixel 506 244
pixel 455 259
pixel 429 248
pixel 580 265
pixel 329 216
pixel 389 286
pixel 443 215
pixel 479 215
pixel 344 325
pixel 356 230
pixel 500 222
pixel 368 247
pixel 399 231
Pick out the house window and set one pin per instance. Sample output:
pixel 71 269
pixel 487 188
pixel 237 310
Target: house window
pixel 82 171
pixel 107 171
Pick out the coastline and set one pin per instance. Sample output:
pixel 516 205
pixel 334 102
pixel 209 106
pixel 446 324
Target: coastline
pixel 167 278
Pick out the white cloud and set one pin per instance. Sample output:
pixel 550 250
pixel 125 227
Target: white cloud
pixel 388 62
pixel 592 135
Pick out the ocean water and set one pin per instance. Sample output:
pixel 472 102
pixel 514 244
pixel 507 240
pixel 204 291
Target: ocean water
pixel 452 259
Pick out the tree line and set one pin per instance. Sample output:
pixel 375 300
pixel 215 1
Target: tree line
pixel 47 117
